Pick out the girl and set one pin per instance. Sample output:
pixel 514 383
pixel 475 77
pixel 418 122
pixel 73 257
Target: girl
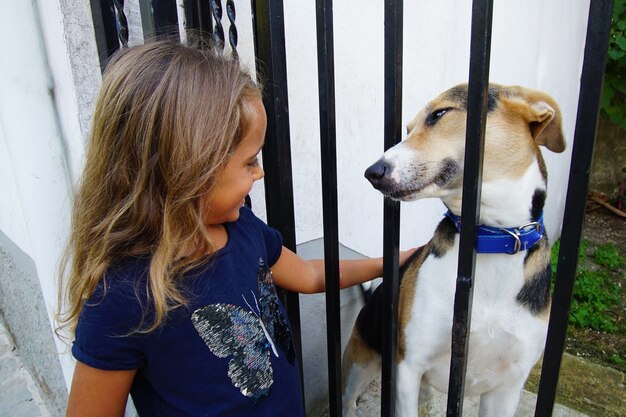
pixel 170 296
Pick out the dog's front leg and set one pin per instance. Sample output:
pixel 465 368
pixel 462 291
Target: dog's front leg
pixel 407 390
pixel 500 403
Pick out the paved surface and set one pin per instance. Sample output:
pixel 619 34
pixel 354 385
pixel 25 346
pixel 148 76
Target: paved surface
pixel 369 406
pixel 19 395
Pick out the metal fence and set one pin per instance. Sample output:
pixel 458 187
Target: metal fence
pixel 159 18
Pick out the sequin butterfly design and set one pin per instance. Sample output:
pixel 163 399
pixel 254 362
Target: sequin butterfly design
pixel 248 335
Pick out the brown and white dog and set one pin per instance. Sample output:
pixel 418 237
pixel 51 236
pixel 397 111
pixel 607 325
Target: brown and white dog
pixel 511 300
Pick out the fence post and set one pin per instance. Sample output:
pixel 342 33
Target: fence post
pixel 391 209
pixel 596 46
pixel 328 136
pixel 107 40
pixel 480 52
pixel 198 17
pixel 269 46
pixel 165 19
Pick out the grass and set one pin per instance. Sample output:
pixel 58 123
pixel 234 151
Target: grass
pixel 597 325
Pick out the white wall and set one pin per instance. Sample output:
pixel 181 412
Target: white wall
pixel 35 169
pixel 48 86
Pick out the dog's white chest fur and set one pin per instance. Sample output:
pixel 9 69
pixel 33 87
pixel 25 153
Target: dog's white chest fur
pixel 505 338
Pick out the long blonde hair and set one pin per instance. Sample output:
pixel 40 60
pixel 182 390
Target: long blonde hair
pixel 166 120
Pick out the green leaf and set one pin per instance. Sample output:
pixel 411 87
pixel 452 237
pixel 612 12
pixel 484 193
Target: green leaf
pixel 619 83
pixel 606 255
pixel 615 54
pixel 608 92
pixel 616 358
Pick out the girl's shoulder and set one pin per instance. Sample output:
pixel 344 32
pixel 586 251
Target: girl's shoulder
pixel 122 291
pixel 106 335
pixel 127 274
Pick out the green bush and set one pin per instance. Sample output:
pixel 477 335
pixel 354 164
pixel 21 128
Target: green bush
pixel 613 106
pixel 606 255
pixel 595 293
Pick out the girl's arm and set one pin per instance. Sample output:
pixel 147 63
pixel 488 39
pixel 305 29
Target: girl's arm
pixel 295 274
pixel 98 393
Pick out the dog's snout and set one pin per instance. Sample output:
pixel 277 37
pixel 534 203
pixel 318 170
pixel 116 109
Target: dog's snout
pixel 376 172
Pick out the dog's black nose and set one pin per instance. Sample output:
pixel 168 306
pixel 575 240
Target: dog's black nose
pixel 376 172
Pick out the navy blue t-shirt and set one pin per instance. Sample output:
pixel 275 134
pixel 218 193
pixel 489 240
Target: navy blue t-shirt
pixel 229 352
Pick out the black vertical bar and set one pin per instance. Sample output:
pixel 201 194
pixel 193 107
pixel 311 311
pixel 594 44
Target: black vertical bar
pixel 121 23
pixel 218 29
pixel 107 41
pixel 598 29
pixel 269 45
pixel 233 36
pixel 391 209
pixel 198 17
pixel 477 94
pixel 165 17
pixel 326 76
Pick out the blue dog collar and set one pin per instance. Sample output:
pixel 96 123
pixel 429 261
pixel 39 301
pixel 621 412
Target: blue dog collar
pixel 504 240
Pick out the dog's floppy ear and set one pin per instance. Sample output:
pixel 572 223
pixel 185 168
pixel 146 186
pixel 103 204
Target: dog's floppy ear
pixel 542 114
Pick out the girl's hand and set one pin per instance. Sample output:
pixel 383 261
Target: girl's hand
pixel 406 254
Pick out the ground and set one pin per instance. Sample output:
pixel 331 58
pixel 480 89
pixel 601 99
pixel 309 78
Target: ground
pixel 602 226
pixel 591 380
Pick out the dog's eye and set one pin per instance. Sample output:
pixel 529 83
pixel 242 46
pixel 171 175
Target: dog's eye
pixel 435 116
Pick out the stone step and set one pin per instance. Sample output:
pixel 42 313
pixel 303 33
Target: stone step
pixel 19 393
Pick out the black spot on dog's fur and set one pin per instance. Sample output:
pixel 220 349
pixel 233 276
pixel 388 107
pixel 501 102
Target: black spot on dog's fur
pixel 447 172
pixel 492 99
pixel 535 294
pixel 459 95
pixel 443 238
pixel 370 322
pixel 539 199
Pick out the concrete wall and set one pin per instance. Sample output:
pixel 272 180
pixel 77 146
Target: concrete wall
pixel 23 311
pixel 48 86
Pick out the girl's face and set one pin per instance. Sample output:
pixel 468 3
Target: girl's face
pixel 235 180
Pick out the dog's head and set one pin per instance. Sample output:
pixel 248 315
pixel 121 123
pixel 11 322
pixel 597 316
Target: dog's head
pixel 429 163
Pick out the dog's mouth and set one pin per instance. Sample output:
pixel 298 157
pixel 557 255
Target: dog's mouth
pixel 447 174
pixel 402 194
